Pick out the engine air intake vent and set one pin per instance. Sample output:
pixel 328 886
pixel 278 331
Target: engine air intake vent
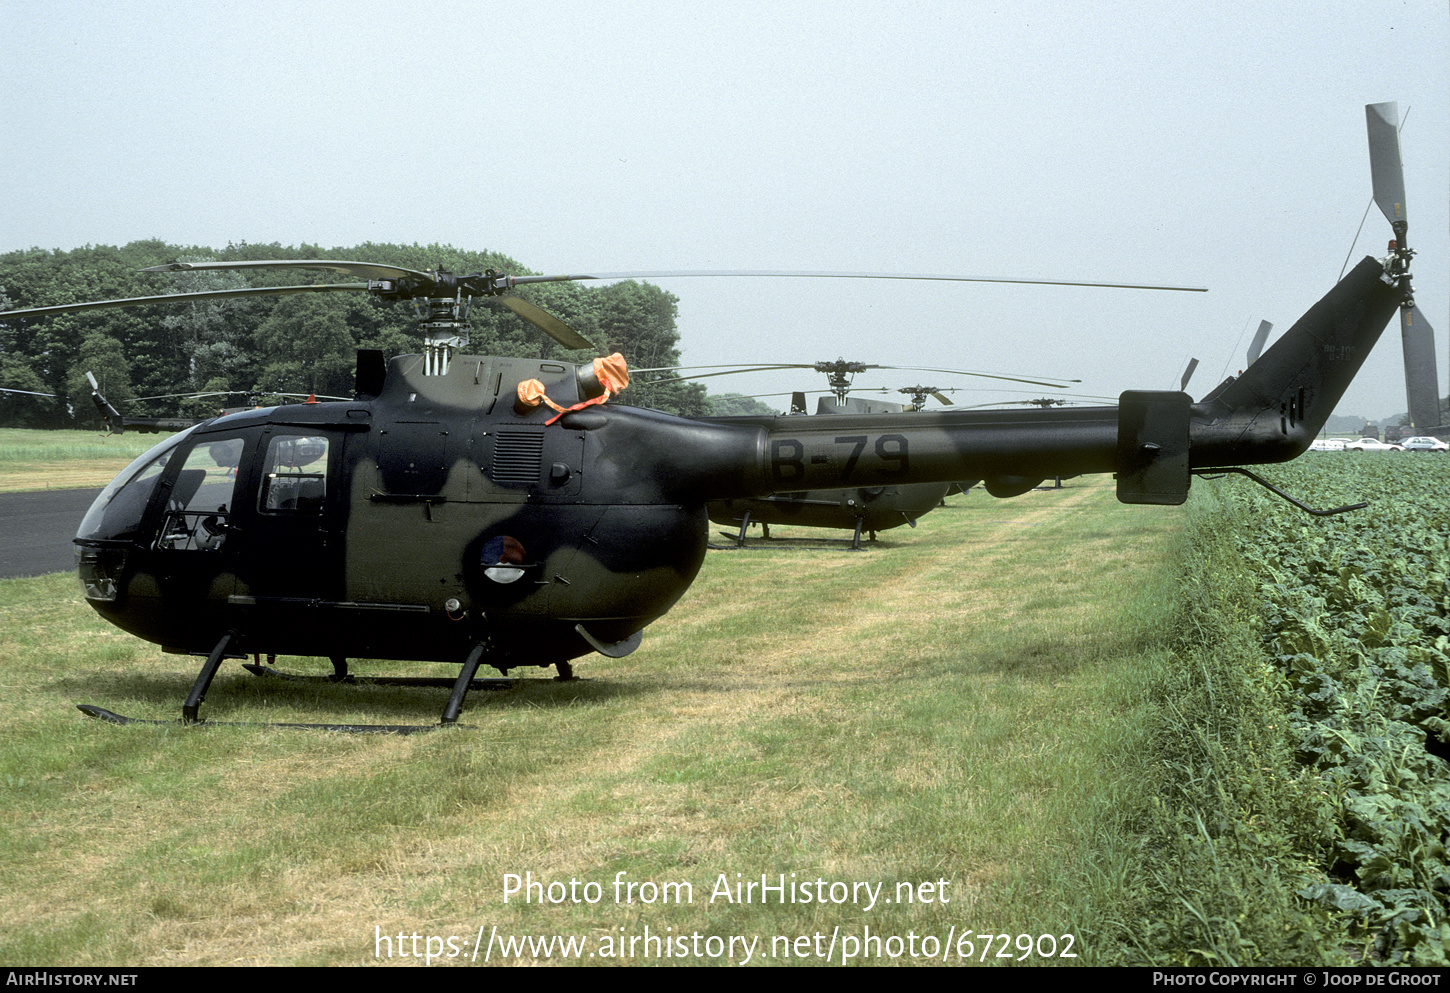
pixel 517 456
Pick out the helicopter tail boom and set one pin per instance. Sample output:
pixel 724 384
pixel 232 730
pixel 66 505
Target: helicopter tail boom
pixel 1272 412
pixel 1153 441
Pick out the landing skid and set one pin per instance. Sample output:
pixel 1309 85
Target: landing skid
pixel 739 537
pixel 190 710
pixel 110 716
pixel 351 680
pixel 813 544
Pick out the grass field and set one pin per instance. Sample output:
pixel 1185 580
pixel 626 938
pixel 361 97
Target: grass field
pixel 953 720
pixel 64 460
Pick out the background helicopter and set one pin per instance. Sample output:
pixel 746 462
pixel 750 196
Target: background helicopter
pixel 444 514
pixel 860 510
pixel 114 422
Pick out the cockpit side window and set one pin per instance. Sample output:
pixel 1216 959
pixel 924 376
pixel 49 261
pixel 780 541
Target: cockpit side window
pixel 200 503
pixel 294 476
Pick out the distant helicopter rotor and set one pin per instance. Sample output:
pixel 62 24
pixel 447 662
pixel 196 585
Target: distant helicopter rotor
pixel 839 374
pixel 447 296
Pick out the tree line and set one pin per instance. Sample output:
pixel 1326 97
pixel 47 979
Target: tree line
pixel 267 345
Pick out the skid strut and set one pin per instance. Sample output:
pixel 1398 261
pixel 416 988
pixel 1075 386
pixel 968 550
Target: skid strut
pixel 190 710
pixel 460 686
pixel 203 679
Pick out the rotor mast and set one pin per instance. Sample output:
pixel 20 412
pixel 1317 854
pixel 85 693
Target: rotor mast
pixel 443 318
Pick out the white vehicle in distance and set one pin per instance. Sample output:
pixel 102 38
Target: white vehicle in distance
pixel 1327 445
pixel 1422 443
pixel 1371 445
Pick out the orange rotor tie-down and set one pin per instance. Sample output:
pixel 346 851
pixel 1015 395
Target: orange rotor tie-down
pixel 612 373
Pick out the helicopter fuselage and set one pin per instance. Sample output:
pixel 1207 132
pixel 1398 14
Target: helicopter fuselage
pixel 437 513
pixel 410 525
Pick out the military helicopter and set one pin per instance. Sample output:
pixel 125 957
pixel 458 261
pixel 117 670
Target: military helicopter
pixel 114 422
pixel 443 514
pixel 862 509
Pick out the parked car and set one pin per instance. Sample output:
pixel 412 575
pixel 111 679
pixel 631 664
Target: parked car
pixel 1327 445
pixel 1422 443
pixel 1371 445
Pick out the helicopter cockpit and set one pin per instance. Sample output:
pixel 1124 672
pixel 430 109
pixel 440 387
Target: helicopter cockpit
pixel 108 531
pixel 117 511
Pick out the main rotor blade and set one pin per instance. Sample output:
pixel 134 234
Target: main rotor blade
pixel 542 319
pixel 369 270
pixel 191 396
pixel 822 274
pixel 730 371
pixel 546 322
pixel 730 367
pixel 1383 120
pixel 375 271
pixel 982 375
pixel 70 308
pixel 727 370
pixel 1187 374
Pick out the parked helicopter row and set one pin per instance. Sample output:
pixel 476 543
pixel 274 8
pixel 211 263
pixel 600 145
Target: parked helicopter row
pixel 471 509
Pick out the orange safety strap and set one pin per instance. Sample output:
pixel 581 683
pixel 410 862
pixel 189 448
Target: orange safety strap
pixel 531 392
pixel 612 373
pixel 608 392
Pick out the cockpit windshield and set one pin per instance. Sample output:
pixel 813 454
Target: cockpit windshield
pixel 117 512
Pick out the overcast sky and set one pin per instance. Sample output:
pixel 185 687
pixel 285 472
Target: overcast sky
pixel 1219 145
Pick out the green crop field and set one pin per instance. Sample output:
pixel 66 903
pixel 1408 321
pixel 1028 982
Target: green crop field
pixel 1050 730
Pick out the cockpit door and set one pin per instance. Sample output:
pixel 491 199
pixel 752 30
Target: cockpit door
pixel 182 567
pixel 290 519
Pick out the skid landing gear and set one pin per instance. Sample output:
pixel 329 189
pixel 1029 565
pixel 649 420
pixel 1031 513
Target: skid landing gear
pixel 459 688
pixel 739 536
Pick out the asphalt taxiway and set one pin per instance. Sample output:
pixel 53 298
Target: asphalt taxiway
pixel 36 530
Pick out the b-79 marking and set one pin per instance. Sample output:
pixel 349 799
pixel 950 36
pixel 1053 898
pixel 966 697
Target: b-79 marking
pixel 787 456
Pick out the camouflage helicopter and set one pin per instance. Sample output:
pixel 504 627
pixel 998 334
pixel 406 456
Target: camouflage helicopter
pixel 858 509
pixel 469 509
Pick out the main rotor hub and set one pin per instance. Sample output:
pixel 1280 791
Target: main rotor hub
pixel 448 298
pixel 839 375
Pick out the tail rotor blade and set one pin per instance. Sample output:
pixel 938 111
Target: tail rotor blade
pixel 1421 378
pixel 1383 120
pixel 1260 336
pixel 1421 381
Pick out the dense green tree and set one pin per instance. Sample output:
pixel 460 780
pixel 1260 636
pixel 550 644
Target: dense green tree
pixel 103 357
pixel 295 343
pixel 26 410
pixel 638 320
pixel 734 404
pixel 305 346
pixel 211 334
